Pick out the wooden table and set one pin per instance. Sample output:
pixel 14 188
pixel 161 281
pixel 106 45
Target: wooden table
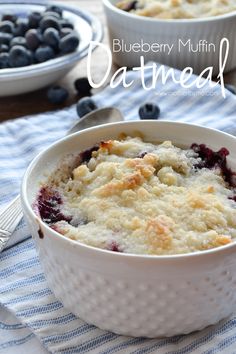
pixel 36 102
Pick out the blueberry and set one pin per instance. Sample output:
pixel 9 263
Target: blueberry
pixel 57 94
pixel 33 39
pixel 18 41
pixel 82 86
pixel 9 17
pixel 51 37
pixel 54 8
pixel 4 60
pixel 22 26
pixel 49 204
pixel 6 26
pixel 86 155
pixel 4 48
pixel 5 38
pixel 44 53
pixel 65 31
pixel 52 13
pixel 84 106
pixel 231 88
pixel 66 24
pixel 131 5
pixel 149 111
pixel 69 43
pixel 19 56
pixel 49 21
pixel 34 18
pixel 31 56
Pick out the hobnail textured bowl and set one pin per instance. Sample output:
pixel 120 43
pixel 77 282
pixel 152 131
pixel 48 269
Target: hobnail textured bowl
pixel 135 295
pixel 15 81
pixel 131 29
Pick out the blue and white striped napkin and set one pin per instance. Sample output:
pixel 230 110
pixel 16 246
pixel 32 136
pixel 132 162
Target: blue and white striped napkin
pixel 35 312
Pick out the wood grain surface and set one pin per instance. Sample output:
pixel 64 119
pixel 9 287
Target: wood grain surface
pixel 36 102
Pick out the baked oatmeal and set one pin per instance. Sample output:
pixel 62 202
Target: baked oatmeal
pixel 140 197
pixel 178 9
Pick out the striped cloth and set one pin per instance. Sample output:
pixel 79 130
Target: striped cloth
pixel 35 312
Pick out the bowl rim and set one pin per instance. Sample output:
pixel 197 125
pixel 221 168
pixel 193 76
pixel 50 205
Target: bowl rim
pixel 103 252
pixel 61 61
pixel 111 6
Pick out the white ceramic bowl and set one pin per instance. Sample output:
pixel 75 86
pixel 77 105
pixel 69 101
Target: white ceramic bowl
pixel 132 29
pixel 15 81
pixel 136 295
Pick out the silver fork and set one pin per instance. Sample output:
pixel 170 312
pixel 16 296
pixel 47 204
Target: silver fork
pixel 9 219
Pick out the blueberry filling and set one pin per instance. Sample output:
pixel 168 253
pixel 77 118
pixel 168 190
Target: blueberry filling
pixel 132 5
pixel 210 158
pixel 48 203
pixel 142 154
pixel 213 159
pixel 113 246
pixel 86 155
pixel 233 198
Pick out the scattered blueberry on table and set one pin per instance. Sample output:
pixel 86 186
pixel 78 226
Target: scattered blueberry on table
pixel 83 86
pixel 44 35
pixel 149 111
pixel 57 94
pixel 84 106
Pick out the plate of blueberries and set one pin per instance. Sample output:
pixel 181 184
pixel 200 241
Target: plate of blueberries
pixel 40 43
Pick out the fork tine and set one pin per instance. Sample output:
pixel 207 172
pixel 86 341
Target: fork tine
pixel 4 237
pixel 4 215
pixel 10 214
pixel 7 215
pixel 9 219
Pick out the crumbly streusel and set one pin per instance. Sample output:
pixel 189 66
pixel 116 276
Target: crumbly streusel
pixel 137 197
